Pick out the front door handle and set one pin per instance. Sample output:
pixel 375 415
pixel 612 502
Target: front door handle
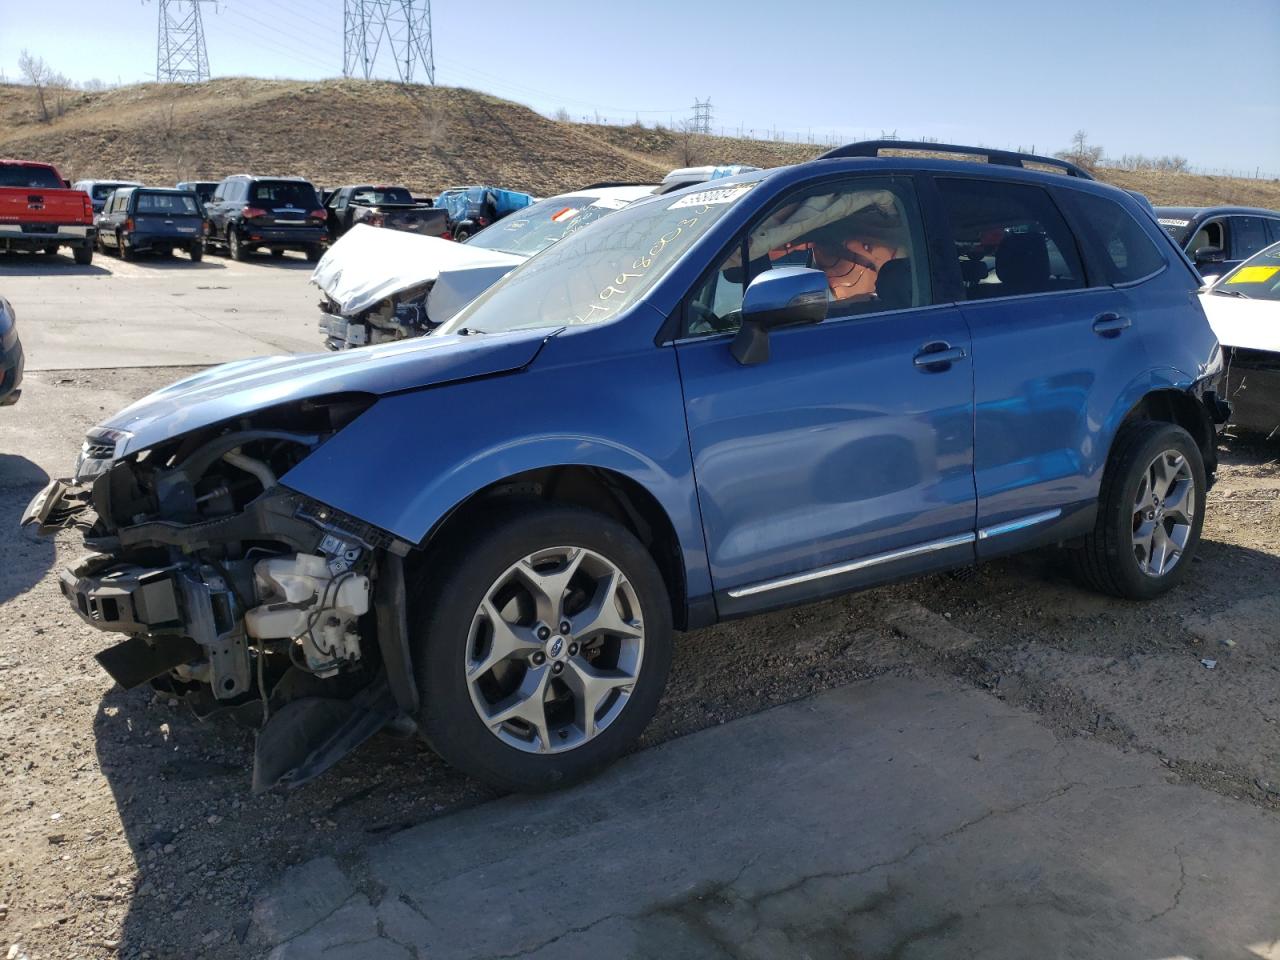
pixel 1110 324
pixel 937 355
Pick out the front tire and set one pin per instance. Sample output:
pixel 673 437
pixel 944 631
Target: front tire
pixel 1150 513
pixel 542 642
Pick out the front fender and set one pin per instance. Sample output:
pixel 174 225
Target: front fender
pixel 409 460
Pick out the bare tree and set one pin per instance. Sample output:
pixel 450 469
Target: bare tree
pixel 38 74
pixel 563 115
pixel 690 147
pixel 1081 152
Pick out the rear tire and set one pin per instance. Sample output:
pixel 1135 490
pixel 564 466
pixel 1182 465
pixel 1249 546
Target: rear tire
pixel 461 234
pixel 1150 513
pixel 83 254
pixel 51 250
pixel 235 249
pixel 276 253
pixel 196 252
pixel 125 251
pixel 620 628
pixel 313 254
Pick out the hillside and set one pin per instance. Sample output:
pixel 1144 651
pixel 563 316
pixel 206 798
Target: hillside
pixel 343 131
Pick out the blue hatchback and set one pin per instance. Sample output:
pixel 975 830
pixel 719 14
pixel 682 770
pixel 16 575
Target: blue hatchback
pixel 792 384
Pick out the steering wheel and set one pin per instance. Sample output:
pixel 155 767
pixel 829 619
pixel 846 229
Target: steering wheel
pixel 705 315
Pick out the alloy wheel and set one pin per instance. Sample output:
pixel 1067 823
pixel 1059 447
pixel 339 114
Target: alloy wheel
pixel 554 650
pixel 1163 513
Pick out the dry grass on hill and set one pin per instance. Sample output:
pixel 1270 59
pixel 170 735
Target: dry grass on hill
pixel 343 131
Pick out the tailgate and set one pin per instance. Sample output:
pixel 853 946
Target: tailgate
pixel 420 220
pixel 180 225
pixel 31 205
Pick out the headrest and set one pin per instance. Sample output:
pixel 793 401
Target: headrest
pixel 1022 263
pixel 893 285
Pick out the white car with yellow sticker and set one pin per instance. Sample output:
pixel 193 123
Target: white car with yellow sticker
pixel 1243 307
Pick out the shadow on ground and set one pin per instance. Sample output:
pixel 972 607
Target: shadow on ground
pixel 207 849
pixel 24 557
pixel 39 265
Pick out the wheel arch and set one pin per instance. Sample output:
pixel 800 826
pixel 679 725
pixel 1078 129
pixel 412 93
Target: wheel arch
pixel 601 489
pixel 1181 407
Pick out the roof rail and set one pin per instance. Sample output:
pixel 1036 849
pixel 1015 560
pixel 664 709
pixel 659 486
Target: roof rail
pixel 1004 158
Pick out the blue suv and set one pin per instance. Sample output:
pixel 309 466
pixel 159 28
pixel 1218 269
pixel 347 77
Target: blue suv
pixel 795 383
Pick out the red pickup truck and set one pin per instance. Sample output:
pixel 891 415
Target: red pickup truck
pixel 39 212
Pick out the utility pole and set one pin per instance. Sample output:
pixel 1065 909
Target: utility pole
pixel 181 56
pixel 403 25
pixel 701 120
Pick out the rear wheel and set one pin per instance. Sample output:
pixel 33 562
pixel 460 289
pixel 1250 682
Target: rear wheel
pixel 196 252
pixel 276 253
pixel 123 248
pixel 542 652
pixel 51 250
pixel 235 249
pixel 461 234
pixel 313 254
pixel 83 254
pixel 1150 513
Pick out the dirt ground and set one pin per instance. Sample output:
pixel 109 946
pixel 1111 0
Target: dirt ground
pixel 127 828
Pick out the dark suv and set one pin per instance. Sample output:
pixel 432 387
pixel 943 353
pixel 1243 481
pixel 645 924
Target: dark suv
pixel 1217 239
pixel 279 213
pixel 735 397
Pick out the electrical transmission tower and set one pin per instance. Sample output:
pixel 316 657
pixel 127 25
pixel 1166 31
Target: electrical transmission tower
pixel 181 56
pixel 701 115
pixel 403 26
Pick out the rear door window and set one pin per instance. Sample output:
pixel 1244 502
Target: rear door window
pixel 1248 236
pixel 1210 234
pixel 1010 239
pixel 1120 245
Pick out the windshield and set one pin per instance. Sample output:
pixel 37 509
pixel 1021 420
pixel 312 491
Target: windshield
pixel 537 227
pixel 1258 278
pixel 168 203
pixel 20 175
pixel 596 272
pixel 376 195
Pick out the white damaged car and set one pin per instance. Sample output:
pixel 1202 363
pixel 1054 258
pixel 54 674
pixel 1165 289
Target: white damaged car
pixel 1243 307
pixel 385 285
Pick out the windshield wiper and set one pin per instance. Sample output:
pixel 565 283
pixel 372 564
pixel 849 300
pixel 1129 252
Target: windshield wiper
pixel 1231 293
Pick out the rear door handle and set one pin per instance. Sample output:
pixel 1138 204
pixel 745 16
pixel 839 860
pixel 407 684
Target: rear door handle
pixel 937 355
pixel 1110 324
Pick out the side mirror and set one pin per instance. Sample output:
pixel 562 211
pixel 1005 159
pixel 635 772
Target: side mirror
pixel 1210 255
pixel 788 296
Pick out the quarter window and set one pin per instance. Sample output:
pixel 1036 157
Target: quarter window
pixel 1123 248
pixel 1010 239
pixel 864 234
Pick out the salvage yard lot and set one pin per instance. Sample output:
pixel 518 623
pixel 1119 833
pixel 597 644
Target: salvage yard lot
pixel 127 827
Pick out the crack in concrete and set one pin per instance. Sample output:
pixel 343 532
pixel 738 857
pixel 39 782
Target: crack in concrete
pixel 760 898
pixel 1177 894
pixel 312 926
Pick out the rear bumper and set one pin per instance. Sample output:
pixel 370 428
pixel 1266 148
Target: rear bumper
pixel 285 238
pixel 1253 387
pixel 158 240
pixel 37 236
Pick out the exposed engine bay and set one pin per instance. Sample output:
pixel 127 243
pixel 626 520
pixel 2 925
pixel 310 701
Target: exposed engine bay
pixel 235 593
pixel 398 317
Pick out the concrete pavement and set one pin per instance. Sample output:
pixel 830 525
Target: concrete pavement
pixel 159 311
pixel 892 818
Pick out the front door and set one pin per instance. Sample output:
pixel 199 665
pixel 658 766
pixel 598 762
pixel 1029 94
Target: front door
pixel 846 457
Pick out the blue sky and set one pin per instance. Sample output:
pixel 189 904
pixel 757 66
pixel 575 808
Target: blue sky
pixel 1141 77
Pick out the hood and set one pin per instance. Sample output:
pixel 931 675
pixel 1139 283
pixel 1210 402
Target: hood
pixel 239 388
pixel 1250 324
pixel 457 287
pixel 369 264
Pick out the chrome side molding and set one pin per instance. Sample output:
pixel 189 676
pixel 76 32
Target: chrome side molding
pixel 1011 526
pixel 834 571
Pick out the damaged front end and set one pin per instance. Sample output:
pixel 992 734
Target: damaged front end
pixel 236 593
pixel 398 317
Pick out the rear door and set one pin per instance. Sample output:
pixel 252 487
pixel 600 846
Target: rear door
pixel 286 203
pixel 167 214
pixel 846 457
pixel 1053 349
